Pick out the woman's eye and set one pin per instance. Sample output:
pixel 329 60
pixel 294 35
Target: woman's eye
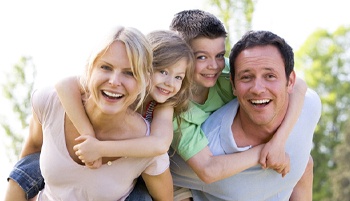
pixel 106 67
pixel 130 73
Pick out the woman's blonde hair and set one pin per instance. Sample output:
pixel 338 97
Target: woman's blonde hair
pixel 139 53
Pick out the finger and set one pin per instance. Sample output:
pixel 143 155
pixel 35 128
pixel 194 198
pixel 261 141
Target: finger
pixel 80 138
pixel 263 160
pixel 76 147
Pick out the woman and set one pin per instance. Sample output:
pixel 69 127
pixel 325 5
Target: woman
pixel 117 75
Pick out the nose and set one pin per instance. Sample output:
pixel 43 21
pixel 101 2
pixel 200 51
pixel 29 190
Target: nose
pixel 169 81
pixel 258 87
pixel 213 64
pixel 114 79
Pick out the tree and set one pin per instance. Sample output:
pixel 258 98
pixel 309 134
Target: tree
pixel 17 90
pixel 340 176
pixel 236 15
pixel 324 59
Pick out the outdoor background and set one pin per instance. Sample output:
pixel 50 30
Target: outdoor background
pixel 54 37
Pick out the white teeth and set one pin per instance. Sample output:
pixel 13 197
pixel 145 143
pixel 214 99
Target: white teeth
pixel 112 94
pixel 209 75
pixel 164 91
pixel 260 101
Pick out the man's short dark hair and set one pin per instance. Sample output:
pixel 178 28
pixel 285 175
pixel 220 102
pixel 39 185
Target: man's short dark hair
pixel 262 38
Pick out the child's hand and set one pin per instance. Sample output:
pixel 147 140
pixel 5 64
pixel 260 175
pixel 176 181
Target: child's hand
pixel 284 168
pixel 273 156
pixel 87 151
pixel 95 164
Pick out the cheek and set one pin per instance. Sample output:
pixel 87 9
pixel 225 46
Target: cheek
pixel 177 87
pixel 199 67
pixel 221 64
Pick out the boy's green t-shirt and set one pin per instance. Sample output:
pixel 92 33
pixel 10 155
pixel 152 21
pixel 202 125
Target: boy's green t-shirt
pixel 192 139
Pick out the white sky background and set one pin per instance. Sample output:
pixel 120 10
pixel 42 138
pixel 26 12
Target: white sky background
pixel 59 34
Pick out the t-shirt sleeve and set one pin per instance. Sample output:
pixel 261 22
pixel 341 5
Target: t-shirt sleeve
pixel 158 165
pixel 40 101
pixel 191 139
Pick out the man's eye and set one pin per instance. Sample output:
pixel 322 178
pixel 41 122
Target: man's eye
pixel 271 76
pixel 246 77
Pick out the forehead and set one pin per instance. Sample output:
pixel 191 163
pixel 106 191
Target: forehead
pixel 266 57
pixel 116 54
pixel 208 45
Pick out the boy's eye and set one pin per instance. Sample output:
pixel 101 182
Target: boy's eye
pixel 201 57
pixel 220 56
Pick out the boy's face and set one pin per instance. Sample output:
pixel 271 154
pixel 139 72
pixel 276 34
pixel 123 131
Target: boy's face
pixel 209 60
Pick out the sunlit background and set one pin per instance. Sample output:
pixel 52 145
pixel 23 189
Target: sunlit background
pixel 58 35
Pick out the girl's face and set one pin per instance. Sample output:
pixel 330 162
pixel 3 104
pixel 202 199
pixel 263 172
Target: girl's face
pixel 112 84
pixel 209 60
pixel 166 82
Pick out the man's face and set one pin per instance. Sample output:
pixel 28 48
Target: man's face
pixel 261 86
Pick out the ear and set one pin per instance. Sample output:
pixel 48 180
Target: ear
pixel 291 81
pixel 233 85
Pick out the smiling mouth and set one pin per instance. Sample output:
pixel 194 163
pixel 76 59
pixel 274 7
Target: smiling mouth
pixel 260 102
pixel 163 90
pixel 111 95
pixel 209 75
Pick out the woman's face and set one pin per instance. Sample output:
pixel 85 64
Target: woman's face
pixel 209 60
pixel 167 81
pixel 112 85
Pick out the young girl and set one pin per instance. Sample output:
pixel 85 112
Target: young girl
pixel 116 77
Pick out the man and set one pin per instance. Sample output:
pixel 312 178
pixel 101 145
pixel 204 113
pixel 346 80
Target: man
pixel 262 78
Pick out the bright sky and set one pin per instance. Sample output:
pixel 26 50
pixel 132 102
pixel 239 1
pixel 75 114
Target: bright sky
pixel 59 34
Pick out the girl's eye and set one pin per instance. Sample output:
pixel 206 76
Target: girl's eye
pixel 179 77
pixel 163 72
